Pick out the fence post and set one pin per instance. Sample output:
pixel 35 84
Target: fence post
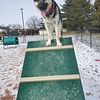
pixel 81 35
pixel 90 38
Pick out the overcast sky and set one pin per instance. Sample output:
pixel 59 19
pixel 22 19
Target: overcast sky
pixel 10 10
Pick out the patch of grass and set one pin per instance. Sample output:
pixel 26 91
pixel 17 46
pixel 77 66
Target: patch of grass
pixel 69 33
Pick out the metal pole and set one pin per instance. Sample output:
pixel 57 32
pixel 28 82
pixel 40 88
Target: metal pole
pixel 22 17
pixel 90 39
pixel 81 35
pixel 24 38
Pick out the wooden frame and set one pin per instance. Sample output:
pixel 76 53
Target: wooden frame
pixel 49 48
pixel 50 78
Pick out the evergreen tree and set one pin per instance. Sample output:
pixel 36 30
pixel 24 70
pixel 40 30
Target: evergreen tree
pixel 77 13
pixel 96 16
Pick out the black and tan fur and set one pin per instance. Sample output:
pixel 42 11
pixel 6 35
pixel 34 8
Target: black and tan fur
pixel 52 19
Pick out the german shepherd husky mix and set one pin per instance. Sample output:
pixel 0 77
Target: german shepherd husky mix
pixel 51 17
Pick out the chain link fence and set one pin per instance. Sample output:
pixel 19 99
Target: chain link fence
pixel 91 38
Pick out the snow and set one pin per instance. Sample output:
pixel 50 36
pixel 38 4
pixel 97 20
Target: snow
pixel 11 63
pixel 1 30
pixel 89 70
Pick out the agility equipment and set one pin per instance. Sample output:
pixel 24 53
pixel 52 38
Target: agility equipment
pixel 49 48
pixel 10 40
pixel 49 78
pixel 50 73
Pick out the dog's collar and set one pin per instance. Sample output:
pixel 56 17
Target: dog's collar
pixel 50 11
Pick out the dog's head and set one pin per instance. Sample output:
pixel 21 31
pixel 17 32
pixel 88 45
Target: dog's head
pixel 42 4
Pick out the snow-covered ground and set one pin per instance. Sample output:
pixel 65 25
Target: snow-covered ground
pixel 89 67
pixel 11 62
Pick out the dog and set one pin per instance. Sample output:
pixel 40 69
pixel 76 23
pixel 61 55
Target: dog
pixel 51 17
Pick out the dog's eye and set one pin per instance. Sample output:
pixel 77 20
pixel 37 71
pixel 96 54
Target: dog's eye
pixel 36 0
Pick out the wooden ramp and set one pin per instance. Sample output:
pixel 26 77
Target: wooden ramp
pixel 50 73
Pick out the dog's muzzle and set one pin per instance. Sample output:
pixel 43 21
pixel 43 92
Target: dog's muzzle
pixel 42 5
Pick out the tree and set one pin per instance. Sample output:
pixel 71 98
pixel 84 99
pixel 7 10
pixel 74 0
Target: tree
pixel 77 13
pixel 15 26
pixel 96 15
pixel 33 22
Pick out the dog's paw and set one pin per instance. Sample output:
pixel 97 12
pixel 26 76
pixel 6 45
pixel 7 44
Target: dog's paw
pixel 48 43
pixel 58 43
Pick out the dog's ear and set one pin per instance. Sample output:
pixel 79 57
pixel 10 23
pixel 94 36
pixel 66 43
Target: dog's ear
pixel 36 2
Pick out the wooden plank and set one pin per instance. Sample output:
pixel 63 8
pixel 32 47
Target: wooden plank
pixel 50 78
pixel 49 48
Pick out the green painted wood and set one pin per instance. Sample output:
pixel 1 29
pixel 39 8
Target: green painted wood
pixel 10 40
pixel 44 63
pixel 36 44
pixel 57 90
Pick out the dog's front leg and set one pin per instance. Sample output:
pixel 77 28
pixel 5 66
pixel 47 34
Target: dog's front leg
pixel 49 32
pixel 57 35
pixel 48 43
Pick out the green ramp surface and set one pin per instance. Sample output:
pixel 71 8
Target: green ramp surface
pixel 49 63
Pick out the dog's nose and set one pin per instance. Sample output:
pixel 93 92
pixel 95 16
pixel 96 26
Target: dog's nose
pixel 41 4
